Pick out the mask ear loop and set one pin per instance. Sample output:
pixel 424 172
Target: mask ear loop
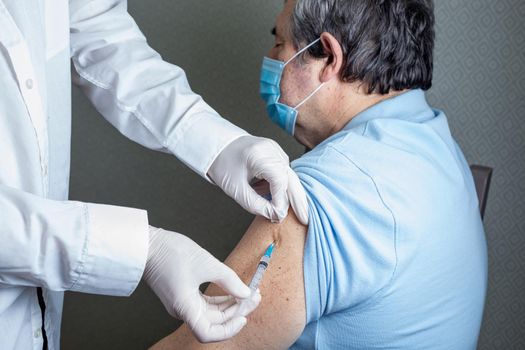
pixel 309 96
pixel 291 59
pixel 301 51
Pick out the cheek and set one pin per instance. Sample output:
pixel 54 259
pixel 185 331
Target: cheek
pixel 294 83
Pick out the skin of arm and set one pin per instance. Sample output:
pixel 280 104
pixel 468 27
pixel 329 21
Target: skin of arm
pixel 281 316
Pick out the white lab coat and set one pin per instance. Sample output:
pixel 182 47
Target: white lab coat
pixel 46 240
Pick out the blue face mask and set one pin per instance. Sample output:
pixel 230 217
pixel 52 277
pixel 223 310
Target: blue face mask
pixel 270 89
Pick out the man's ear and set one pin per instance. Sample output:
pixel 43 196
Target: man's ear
pixel 334 61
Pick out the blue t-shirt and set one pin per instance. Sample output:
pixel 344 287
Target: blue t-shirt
pixel 395 255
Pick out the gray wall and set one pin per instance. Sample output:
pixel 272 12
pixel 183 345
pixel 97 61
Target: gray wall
pixel 479 82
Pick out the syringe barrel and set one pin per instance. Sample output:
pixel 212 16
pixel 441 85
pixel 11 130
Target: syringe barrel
pixel 261 268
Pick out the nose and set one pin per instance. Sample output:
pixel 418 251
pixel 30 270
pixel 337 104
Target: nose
pixel 272 53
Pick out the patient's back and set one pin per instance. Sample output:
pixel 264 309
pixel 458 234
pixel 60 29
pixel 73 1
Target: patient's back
pixel 395 255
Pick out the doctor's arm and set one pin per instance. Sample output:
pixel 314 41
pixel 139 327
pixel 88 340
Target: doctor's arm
pixel 101 249
pixel 67 245
pixel 150 101
pixel 281 315
pixel 144 97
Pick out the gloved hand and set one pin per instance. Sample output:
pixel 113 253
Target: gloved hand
pixel 176 267
pixel 252 158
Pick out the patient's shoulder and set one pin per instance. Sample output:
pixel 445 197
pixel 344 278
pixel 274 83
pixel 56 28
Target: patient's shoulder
pixel 350 244
pixel 338 170
pixel 342 151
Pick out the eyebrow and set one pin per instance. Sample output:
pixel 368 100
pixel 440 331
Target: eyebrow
pixel 274 31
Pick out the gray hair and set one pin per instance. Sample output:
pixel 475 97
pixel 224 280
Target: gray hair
pixel 387 44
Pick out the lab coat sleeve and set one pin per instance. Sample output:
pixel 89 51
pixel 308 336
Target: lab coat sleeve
pixel 67 245
pixel 146 98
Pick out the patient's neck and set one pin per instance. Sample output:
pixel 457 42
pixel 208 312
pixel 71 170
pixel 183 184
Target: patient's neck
pixel 340 106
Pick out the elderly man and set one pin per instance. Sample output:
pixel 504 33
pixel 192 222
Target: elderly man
pixel 394 255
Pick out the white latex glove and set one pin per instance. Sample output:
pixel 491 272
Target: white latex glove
pixel 249 159
pixel 175 269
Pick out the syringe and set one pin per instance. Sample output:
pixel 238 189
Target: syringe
pixel 261 268
pixel 246 305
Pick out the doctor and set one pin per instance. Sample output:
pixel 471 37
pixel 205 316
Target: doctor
pixel 49 244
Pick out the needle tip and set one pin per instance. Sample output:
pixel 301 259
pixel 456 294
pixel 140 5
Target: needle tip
pixel 269 250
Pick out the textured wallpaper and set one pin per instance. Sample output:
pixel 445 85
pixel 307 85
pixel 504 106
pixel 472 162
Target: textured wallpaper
pixel 479 83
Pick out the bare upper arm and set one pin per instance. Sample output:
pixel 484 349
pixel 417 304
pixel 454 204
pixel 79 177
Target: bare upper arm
pixel 281 316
